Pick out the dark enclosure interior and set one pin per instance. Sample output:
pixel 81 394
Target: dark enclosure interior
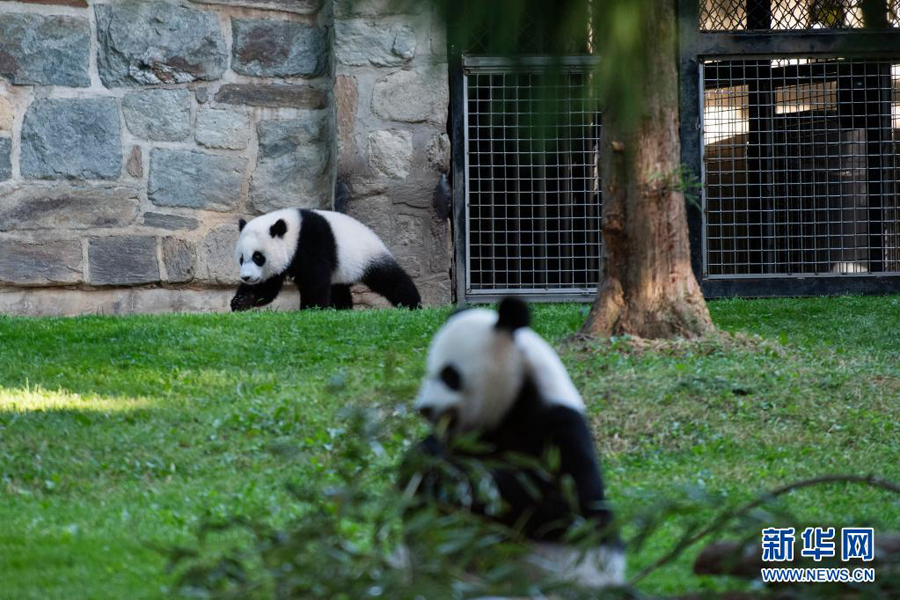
pixel 801 166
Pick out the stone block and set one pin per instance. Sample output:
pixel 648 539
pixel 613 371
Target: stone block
pixel 294 164
pixel 202 94
pixel 228 129
pixel 40 263
pixel 411 264
pixel 437 40
pixel 5 159
pixel 376 212
pixel 44 49
pixel 171 222
pixel 135 166
pixel 436 290
pixel 437 151
pixel 415 192
pixel 72 3
pixel 272 48
pixel 377 8
pixel 272 96
pixel 413 96
pixel 195 180
pixel 364 187
pixel 158 115
pixel 152 43
pixel 440 246
pixel 365 299
pixel 391 152
pixel 179 258
pixel 7 116
pixel 67 206
pixel 368 42
pixel 346 99
pixel 300 7
pixel 409 233
pixel 123 260
pixel 72 138
pixel 218 254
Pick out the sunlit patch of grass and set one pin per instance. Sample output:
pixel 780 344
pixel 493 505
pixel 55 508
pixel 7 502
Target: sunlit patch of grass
pixel 38 399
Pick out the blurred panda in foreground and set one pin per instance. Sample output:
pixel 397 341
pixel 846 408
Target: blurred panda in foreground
pixel 500 399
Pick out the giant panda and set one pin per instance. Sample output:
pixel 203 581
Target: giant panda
pixel 490 376
pixel 324 252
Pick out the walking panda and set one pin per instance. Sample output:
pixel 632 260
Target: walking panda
pixel 324 252
pixel 490 376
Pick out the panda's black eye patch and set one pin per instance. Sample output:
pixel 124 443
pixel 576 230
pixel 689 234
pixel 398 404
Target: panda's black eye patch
pixel 259 259
pixel 451 378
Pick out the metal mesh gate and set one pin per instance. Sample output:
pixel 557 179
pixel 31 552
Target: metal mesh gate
pixel 532 182
pixel 801 167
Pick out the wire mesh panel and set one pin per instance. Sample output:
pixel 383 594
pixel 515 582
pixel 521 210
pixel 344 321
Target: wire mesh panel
pixel 533 186
pixel 741 15
pixel 801 167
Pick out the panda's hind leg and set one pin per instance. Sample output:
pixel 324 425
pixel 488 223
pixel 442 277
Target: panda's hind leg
pixel 387 278
pixel 341 297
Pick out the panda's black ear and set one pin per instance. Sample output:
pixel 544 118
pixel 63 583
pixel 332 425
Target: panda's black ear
pixel 241 224
pixel 512 314
pixel 278 229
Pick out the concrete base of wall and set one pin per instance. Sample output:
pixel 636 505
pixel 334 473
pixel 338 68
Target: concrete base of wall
pixel 61 302
pixel 65 302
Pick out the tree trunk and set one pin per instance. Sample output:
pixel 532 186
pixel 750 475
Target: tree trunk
pixel 647 288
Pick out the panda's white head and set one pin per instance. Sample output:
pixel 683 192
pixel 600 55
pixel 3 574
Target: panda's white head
pixel 267 245
pixel 479 362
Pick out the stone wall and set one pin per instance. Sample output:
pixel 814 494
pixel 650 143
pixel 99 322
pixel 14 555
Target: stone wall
pixel 133 134
pixel 391 96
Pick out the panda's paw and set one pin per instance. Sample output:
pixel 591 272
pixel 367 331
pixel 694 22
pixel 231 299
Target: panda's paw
pixel 241 303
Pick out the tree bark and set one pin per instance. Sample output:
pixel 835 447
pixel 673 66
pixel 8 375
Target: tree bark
pixel 647 288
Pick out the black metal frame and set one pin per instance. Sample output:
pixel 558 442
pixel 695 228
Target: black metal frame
pixel 694 47
pixel 458 169
pixel 457 65
pixel 475 66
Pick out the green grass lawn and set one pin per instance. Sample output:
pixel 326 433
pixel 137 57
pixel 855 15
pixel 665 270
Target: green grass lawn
pixel 118 436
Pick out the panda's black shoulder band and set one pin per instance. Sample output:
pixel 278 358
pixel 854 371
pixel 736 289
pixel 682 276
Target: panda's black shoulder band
pixel 512 314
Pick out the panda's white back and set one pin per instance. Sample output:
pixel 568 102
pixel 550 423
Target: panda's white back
pixel 550 375
pixel 357 246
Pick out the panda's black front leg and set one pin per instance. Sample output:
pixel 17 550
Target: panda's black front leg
pixel 250 296
pixel 314 294
pixel 314 283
